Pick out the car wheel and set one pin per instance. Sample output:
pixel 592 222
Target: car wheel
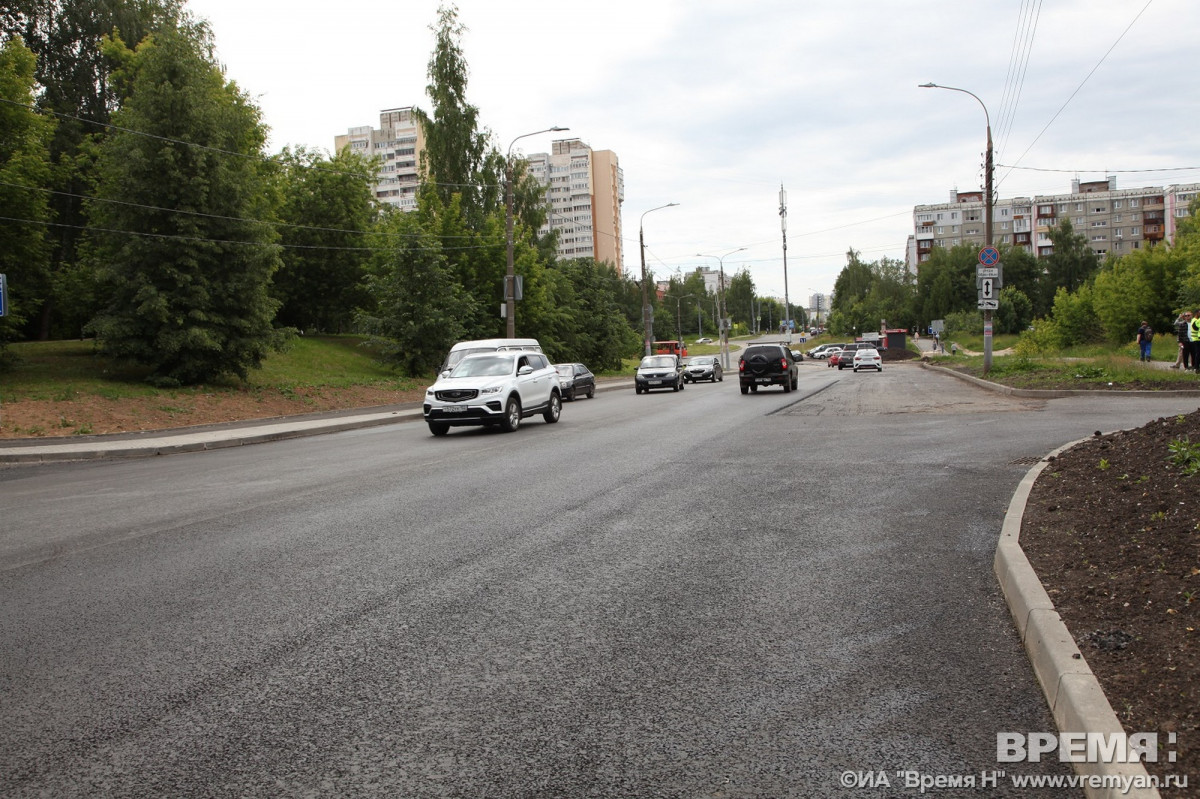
pixel 795 383
pixel 637 389
pixel 439 428
pixel 591 392
pixel 571 394
pixel 512 415
pixel 678 385
pixel 555 410
pixel 745 389
pixel 787 385
pixel 753 389
pixel 878 368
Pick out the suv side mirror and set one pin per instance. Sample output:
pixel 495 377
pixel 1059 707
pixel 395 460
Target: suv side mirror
pixel 525 370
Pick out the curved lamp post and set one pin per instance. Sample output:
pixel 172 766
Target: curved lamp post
pixel 646 330
pixel 989 169
pixel 510 281
pixel 679 298
pixel 721 303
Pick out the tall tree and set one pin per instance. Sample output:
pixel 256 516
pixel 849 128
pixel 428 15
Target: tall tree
pixel 188 252
pixel 419 307
pixel 1071 263
pixel 74 74
pixel 457 157
pixel 24 173
pixel 327 211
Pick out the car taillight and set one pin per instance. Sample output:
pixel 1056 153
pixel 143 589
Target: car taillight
pixel 741 366
pixel 783 364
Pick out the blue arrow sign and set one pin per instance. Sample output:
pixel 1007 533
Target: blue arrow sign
pixel 989 256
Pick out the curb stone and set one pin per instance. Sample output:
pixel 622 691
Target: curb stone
pixel 1075 696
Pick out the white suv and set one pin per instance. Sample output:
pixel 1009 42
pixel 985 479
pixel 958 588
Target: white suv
pixel 499 388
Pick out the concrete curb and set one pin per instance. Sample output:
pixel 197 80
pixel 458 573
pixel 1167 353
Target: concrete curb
pixel 1075 697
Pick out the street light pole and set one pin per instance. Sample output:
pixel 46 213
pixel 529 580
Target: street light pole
pixel 510 280
pixel 988 172
pixel 724 336
pixel 646 329
pixel 679 298
pixel 787 306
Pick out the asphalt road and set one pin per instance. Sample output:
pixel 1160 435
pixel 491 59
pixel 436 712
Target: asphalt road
pixel 669 595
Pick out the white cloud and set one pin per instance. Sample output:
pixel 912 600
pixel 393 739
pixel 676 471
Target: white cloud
pixel 714 103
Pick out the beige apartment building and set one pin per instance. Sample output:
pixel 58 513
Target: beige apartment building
pixel 1113 220
pixel 584 192
pixel 397 143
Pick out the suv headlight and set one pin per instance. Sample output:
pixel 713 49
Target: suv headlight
pixel 490 390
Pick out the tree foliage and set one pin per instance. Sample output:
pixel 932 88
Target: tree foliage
pixel 326 212
pixel 75 79
pixel 24 170
pixel 186 261
pixel 1071 263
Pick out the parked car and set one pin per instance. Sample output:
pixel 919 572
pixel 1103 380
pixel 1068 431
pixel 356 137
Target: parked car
pixel 823 350
pixel 703 367
pixel 496 389
pixel 659 371
pixel 832 357
pixel 575 379
pixel 767 365
pixel 867 359
pixel 704 340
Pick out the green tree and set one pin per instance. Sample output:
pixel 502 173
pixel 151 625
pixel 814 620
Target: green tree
pixel 1143 285
pixel 1071 263
pixel 1015 311
pixel 327 211
pixel 946 282
pixel 24 172
pixel 419 307
pixel 75 77
pixel 186 262
pixel 457 157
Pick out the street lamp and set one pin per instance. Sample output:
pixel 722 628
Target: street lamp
pixel 510 280
pixel 646 331
pixel 989 169
pixel 679 298
pixel 721 300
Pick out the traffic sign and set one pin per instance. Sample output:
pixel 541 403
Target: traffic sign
pixel 987 288
pixel 989 305
pixel 987 271
pixel 989 256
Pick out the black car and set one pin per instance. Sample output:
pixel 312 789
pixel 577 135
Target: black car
pixel 575 379
pixel 659 371
pixel 703 367
pixel 768 365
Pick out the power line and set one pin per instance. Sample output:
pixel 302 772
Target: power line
pixel 1100 171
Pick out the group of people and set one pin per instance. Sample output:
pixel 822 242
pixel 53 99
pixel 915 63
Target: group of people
pixel 1187 333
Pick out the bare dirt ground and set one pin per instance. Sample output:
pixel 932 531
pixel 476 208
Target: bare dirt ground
pixel 1112 527
pixel 91 414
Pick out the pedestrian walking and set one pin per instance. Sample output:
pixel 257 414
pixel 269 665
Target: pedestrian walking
pixel 1184 356
pixel 1145 337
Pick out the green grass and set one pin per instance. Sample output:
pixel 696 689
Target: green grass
pixel 62 370
pixel 1100 370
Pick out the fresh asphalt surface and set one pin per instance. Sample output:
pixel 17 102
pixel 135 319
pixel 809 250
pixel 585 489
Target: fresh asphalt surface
pixel 692 594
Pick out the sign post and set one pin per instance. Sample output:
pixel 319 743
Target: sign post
pixel 987 277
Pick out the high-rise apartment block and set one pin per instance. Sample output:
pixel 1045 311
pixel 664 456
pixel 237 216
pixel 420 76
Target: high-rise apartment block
pixel 397 143
pixel 584 192
pixel 1113 220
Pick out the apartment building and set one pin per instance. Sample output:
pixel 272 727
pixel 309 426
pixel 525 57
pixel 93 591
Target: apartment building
pixel 397 144
pixel 1113 220
pixel 584 192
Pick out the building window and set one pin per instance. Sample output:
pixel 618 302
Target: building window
pixel 1133 202
pixel 1116 203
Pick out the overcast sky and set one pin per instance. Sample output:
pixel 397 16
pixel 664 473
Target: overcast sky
pixel 713 104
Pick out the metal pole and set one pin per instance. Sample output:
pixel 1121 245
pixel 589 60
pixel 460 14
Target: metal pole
pixel 724 337
pixel 510 279
pixel 988 171
pixel 647 331
pixel 787 306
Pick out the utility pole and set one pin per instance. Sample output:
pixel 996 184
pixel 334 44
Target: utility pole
pixel 787 306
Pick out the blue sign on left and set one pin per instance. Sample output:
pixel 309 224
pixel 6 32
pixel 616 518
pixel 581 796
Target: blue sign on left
pixel 3 295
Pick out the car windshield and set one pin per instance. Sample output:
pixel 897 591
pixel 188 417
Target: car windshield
pixel 565 370
pixel 868 354
pixel 484 366
pixel 701 361
pixel 659 362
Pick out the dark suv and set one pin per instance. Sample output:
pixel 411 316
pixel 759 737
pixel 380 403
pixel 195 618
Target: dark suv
pixel 767 365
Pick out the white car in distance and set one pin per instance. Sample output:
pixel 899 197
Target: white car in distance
pixel 868 359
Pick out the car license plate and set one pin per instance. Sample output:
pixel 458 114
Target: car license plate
pixel 455 409
pixel 764 380
pixel 654 382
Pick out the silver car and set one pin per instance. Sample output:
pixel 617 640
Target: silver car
pixel 703 367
